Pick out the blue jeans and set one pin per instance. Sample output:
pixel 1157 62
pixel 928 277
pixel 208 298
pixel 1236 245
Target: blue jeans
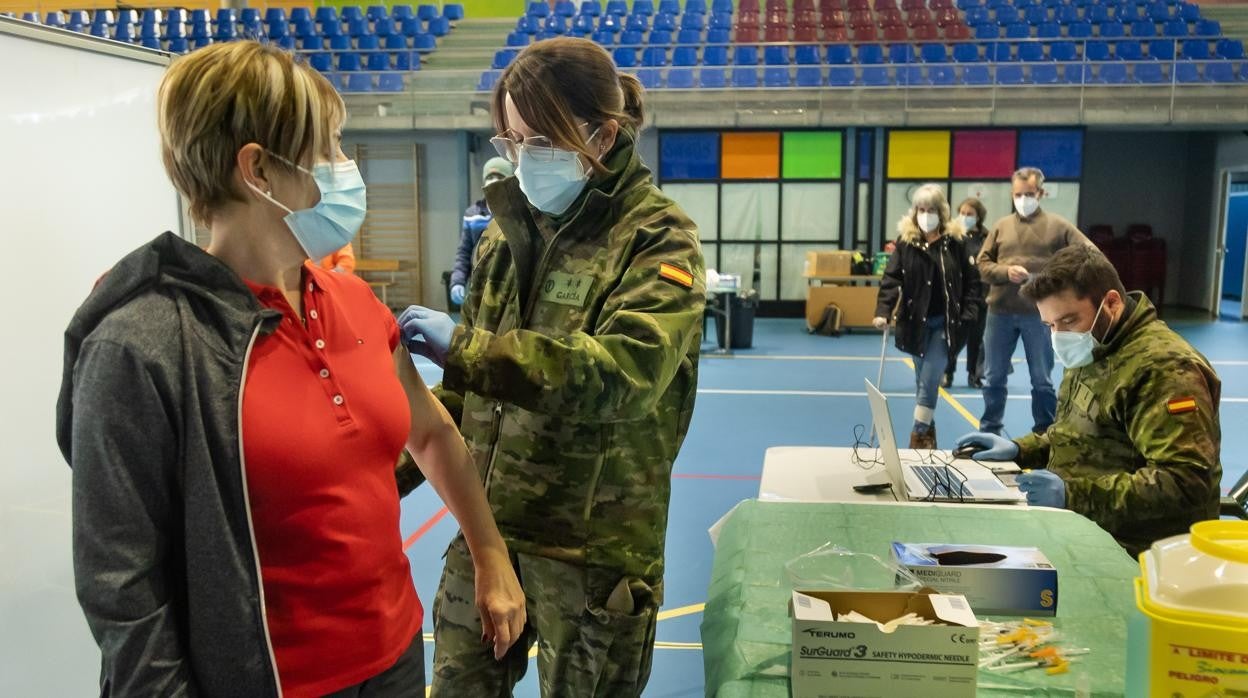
pixel 929 368
pixel 1000 338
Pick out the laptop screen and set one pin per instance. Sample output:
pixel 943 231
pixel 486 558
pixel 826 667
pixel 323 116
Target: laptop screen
pixel 888 443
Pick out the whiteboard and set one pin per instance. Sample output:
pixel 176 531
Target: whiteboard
pixel 80 186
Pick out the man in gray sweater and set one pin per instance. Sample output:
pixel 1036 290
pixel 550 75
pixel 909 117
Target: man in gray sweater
pixel 1018 246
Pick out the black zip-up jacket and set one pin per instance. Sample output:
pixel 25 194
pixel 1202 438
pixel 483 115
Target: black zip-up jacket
pixel 148 418
pixel 909 276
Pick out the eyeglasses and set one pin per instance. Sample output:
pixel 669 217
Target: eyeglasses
pixel 539 148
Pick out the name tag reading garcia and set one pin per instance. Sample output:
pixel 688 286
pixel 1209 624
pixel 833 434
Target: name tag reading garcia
pixel 566 289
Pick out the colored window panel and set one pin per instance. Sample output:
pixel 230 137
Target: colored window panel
pixel 866 153
pixel 1057 152
pixel 811 211
pixel 918 154
pixel 983 154
pixel 812 155
pixel 751 156
pixel 689 156
pixel 750 211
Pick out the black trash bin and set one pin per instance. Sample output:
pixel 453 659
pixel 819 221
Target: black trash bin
pixel 742 309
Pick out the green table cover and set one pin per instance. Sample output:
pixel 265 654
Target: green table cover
pixel 746 630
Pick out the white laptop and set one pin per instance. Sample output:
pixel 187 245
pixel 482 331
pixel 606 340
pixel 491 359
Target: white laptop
pixel 962 481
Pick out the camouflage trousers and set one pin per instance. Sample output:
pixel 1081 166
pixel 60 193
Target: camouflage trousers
pixel 594 632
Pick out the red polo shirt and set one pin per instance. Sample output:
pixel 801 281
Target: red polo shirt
pixel 324 418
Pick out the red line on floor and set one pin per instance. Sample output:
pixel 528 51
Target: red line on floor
pixel 715 477
pixel 433 521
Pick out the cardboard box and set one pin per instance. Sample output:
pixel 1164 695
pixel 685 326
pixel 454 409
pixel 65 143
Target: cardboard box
pixel 857 304
pixel 830 263
pixel 997 581
pixel 838 660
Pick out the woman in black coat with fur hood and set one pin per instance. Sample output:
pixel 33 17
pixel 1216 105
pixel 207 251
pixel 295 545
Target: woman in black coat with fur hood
pixel 938 287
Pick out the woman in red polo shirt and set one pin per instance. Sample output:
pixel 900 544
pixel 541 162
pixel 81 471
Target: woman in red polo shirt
pixel 233 419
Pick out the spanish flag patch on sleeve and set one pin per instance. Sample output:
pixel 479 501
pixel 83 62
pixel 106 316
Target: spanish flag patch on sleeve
pixel 676 275
pixel 1181 405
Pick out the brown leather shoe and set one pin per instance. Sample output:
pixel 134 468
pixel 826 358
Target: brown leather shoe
pixel 925 441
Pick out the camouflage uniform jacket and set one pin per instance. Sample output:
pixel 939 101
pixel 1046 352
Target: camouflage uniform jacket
pixel 1137 436
pixel 574 369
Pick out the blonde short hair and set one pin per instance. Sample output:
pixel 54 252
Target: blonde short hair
pixel 216 100
pixel 930 196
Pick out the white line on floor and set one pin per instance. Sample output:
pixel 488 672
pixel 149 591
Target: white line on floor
pixel 873 359
pixel 850 393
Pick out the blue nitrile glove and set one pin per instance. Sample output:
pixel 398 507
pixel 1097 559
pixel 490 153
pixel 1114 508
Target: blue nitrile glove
pixel 1043 488
pixel 427 332
pixel 991 446
pixel 457 294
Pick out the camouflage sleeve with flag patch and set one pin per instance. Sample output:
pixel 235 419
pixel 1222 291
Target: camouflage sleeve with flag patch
pixel 647 327
pixel 1172 419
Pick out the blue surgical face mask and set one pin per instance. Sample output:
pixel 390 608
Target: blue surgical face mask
pixel 332 223
pixel 551 178
pixel 969 223
pixel 1074 349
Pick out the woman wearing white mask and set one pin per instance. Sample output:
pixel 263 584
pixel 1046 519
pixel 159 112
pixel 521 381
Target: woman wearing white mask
pixel 233 418
pixel 932 273
pixel 574 369
pixel 972 214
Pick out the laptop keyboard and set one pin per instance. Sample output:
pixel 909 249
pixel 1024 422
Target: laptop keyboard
pixel 941 480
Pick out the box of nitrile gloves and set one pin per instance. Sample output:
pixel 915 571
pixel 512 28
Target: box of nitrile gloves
pixel 998 581
pixel 883 645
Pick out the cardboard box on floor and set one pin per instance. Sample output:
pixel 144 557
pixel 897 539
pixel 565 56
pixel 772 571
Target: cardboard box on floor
pixel 832 659
pixel 829 263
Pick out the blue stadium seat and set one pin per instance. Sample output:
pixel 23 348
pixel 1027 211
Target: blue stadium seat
pixel 776 55
pixel 383 27
pixel 272 15
pixel 225 32
pixel 124 31
pixel 966 53
pixel 650 78
pixel 146 32
pixel 1097 14
pixel 1020 30
pixel 519 39
pixel 631 38
pixel 654 57
pixel 685 56
pixel 999 52
pixel 1097 51
pixel 1031 52
pixel 556 24
pixel 1113 30
pixel 1159 12
pixel 1044 74
pixel 152 42
pixel 941 75
pixel 398 42
pixel 306 30
pixel 934 53
pixel 121 17
pixel 987 31
pixel 689 37
pixel 1175 28
pixel 439 26
pixel 279 31
pixel 692 21
pixel 1067 14
pixel 1161 49
pixel 618 8
pixel 359 27
pixel 1064 51
pixel 199 33
pixel 342 42
pixel 1111 74
pixel 1150 73
pixel 712 78
pixel 332 29
pixel 304 14
pixel 978 15
pixel 1196 50
pixel 808 76
pixel 637 23
pixel 625 57
pixel 197 16
pixel 350 13
pixel 719 36
pixel 178 45
pixel 1076 73
pixel 77 20
pixel 424 13
pixel 1188 72
pixel 592 8
pixel 604 38
pixel 966 5
pixel 1079 30
pixel 1036 15
pixel 658 38
pixel 720 20
pixel 840 54
pixel 875 76
pixel 177 30
pixel 745 55
pixel 1221 72
pixel 1008 15
pixel 348 62
pixel 368 42
pixel 669 7
pixel 324 14
pixel 378 61
pixel 503 58
pixel 1129 50
pixel 715 55
pixel 724 6
pixel 745 76
pixel 583 25
pixel 1143 29
pixel 611 23
pixel 390 82
pixel 901 54
pixel 200 42
pixel 841 76
pixel 1230 49
pixel 695 7
pixel 776 76
pixel 680 78
pixel 870 54
pixel 1049 30
pixel 1208 27
pixel 1010 74
pixel 488 79
pixel 665 22
pixel 1189 12
pixel 565 8
pixel 528 25
pixel 911 75
pixel 425 43
pixel 643 7
pixel 538 9
pixel 406 60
